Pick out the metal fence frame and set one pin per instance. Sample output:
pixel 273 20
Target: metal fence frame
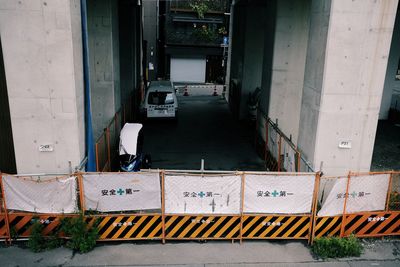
pixel 155 225
pixel 272 162
pixel 363 224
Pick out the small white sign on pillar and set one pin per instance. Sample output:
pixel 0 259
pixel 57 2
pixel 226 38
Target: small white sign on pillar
pixel 345 144
pixel 46 148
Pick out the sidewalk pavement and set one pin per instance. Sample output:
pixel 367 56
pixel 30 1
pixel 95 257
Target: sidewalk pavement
pixel 210 254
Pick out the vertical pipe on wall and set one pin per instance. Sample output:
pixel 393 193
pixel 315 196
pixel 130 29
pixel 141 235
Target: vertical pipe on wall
pixel 91 165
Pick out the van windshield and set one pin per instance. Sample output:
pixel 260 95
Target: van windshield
pixel 160 98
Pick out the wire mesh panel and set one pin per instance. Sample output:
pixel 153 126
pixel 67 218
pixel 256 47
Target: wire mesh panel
pixel 38 199
pixel 3 223
pixel 330 204
pixel 304 165
pixel 366 206
pixel 361 204
pixel 289 156
pixel 278 206
pixel 272 148
pixel 136 194
pixel 102 163
pixel 394 197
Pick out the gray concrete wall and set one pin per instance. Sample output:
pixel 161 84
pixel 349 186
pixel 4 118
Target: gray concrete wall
pixel 290 50
pixel 392 86
pixel 43 65
pixel 237 45
pixel 344 81
pixel 268 56
pixel 237 56
pixel 127 51
pixel 253 49
pixel 104 62
pixel 150 19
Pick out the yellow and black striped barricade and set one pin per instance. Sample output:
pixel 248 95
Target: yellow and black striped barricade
pixel 3 227
pixel 327 226
pixel 21 223
pixel 202 227
pixel 372 224
pixel 276 226
pixel 128 226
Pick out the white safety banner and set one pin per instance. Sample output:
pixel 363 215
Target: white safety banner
pixel 273 141
pixel 278 194
pixel 366 193
pixel 53 196
pixel 122 191
pixel 289 160
pixel 202 195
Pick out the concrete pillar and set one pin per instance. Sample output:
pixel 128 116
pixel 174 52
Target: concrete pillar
pixel 42 50
pixel 346 62
pixel 104 62
pixel 391 91
pixel 289 56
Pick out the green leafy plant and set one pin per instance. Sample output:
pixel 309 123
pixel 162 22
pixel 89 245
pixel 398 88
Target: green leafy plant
pixel 82 236
pixel 335 247
pixel 13 233
pixel 204 33
pixel 200 7
pixel 222 31
pixel 37 242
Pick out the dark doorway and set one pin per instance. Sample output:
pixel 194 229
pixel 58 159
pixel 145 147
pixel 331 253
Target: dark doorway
pixel 214 69
pixel 7 154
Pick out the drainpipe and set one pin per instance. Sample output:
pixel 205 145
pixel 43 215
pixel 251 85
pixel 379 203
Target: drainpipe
pixel 91 162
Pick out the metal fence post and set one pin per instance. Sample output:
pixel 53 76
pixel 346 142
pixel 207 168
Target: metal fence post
pixel 346 196
pixel 163 205
pixel 298 161
pixel 243 176
pixel 108 147
pixel 314 208
pixel 389 191
pixel 256 132
pixel 266 142
pixel 81 193
pixel 279 151
pixel 97 157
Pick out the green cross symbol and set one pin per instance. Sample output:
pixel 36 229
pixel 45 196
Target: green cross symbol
pixel 275 193
pixel 354 194
pixel 120 191
pixel 201 194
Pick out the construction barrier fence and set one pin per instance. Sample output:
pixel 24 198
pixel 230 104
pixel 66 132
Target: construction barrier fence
pixel 106 145
pixel 170 205
pixel 360 204
pixel 280 153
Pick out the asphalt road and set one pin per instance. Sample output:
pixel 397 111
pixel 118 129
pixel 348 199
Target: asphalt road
pixel 205 130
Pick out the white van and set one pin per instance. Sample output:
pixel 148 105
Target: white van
pixel 160 100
